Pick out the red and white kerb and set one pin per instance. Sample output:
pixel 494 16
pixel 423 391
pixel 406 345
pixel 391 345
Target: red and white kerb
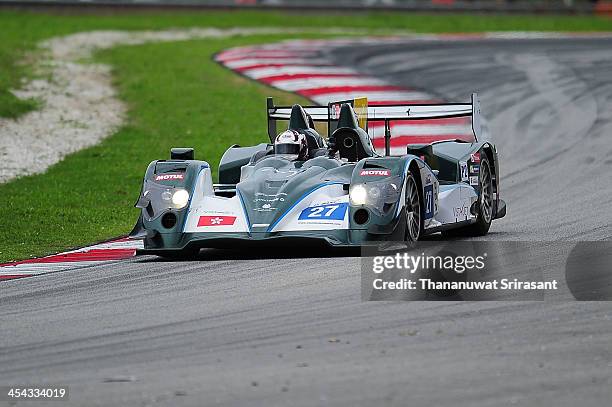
pixel 302 67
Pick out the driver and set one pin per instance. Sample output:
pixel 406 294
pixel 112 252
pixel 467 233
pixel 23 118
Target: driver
pixel 291 145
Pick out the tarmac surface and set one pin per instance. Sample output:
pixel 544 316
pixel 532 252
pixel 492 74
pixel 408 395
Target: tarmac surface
pixel 290 328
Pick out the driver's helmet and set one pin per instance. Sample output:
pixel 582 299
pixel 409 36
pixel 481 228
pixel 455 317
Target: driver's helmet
pixel 291 145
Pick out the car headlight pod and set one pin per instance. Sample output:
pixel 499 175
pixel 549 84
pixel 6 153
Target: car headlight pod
pixel 358 195
pixel 376 195
pixel 180 198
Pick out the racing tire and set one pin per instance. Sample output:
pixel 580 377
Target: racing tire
pixel 414 209
pixel 484 216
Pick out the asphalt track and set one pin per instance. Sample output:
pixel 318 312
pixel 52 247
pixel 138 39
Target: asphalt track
pixel 290 329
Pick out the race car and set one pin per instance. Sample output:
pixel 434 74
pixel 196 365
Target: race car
pixel 339 191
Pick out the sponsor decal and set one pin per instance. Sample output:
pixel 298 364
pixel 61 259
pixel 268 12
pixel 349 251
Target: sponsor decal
pixel 169 177
pixel 473 181
pixel 267 202
pixel 475 169
pixel 216 220
pixel 475 157
pixel 217 212
pixel 428 199
pixel 270 198
pixel 461 212
pixel 375 173
pixel 335 211
pixel 266 208
pixel 464 171
pixel 435 188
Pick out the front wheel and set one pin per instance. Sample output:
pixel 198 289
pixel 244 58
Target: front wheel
pixel 412 204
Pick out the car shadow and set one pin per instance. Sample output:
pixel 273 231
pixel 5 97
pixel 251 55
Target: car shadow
pixel 255 253
pixel 270 252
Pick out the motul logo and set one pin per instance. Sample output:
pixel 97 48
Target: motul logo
pixel 375 173
pixel 169 177
pixel 216 221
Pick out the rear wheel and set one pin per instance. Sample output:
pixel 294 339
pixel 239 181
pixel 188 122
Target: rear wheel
pixel 484 215
pixel 414 218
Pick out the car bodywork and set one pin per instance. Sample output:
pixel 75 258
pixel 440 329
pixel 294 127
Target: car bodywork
pixel 345 194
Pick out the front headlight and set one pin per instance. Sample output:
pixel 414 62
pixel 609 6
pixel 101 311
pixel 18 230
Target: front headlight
pixel 180 198
pixel 378 195
pixel 358 195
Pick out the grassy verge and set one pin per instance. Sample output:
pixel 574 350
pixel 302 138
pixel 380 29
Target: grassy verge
pixel 170 88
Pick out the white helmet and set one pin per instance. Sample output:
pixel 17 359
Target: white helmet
pixel 291 145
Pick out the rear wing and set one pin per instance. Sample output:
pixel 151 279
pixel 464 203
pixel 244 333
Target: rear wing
pixel 381 113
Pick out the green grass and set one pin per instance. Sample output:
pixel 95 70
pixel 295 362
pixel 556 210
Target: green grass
pixel 171 89
pixel 12 106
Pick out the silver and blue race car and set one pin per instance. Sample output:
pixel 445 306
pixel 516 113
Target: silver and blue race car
pixel 343 194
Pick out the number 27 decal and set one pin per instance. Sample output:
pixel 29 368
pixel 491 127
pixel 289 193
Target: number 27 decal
pixel 331 212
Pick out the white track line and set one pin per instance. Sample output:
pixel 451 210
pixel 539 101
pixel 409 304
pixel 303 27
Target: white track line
pixel 271 61
pixel 259 73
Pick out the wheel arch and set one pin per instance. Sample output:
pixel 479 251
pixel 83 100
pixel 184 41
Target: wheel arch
pixel 492 158
pixel 414 169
